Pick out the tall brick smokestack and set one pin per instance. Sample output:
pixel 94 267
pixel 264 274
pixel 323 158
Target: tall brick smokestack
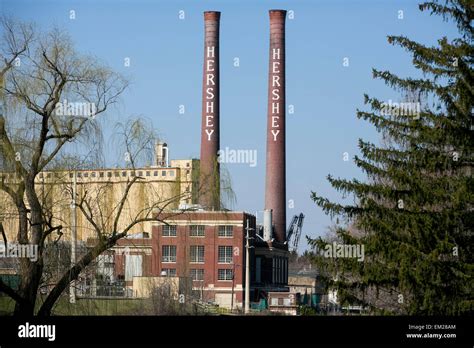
pixel 275 186
pixel 209 168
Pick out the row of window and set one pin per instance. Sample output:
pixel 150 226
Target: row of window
pixel 281 302
pixel 168 253
pixel 197 231
pixel 198 274
pixel 116 174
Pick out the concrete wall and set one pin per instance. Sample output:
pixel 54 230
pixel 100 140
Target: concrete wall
pixel 143 286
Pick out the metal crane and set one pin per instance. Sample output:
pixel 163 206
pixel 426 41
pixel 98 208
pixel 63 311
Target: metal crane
pixel 294 230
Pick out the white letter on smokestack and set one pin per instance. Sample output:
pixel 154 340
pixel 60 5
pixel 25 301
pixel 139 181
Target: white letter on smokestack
pixel 275 108
pixel 210 51
pixel 209 107
pixel 276 53
pixel 210 79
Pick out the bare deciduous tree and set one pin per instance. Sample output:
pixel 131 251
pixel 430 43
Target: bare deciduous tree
pixel 37 73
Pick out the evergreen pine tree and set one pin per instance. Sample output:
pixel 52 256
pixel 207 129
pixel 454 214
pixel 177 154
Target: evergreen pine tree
pixel 414 213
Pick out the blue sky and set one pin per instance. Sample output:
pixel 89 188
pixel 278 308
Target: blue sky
pixel 166 71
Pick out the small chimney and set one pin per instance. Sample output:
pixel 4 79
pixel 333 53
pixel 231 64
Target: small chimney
pixel 275 185
pixel 267 225
pixel 209 195
pixel 161 154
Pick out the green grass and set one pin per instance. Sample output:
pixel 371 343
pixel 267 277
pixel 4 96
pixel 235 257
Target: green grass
pixel 6 305
pixel 83 306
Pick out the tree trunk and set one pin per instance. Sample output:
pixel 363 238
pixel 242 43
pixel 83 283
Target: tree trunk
pixel 31 272
pixel 28 287
pixel 74 272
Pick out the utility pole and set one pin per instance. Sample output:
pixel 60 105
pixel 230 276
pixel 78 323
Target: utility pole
pixel 232 295
pixel 247 269
pixel 72 289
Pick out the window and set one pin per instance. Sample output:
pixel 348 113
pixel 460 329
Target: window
pixel 71 175
pixel 117 174
pixel 148 173
pixel 168 253
pixel 197 253
pixel 196 274
pixel 101 174
pixel 105 260
pixel 86 175
pixel 187 164
pixel 274 301
pixel 155 173
pixel 196 230
pixel 140 173
pixel 109 174
pixel 224 274
pixel 124 173
pixel 169 272
pixel 226 231
pixel 168 231
pixel 163 173
pixel 171 173
pixel 224 254
pixel 93 174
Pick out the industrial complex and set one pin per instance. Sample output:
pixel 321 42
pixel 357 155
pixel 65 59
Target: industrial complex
pixel 221 256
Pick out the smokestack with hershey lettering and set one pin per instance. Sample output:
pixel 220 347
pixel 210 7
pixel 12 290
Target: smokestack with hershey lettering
pixel 209 196
pixel 275 185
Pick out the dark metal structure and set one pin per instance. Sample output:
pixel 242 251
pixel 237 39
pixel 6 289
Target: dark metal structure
pixel 294 230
